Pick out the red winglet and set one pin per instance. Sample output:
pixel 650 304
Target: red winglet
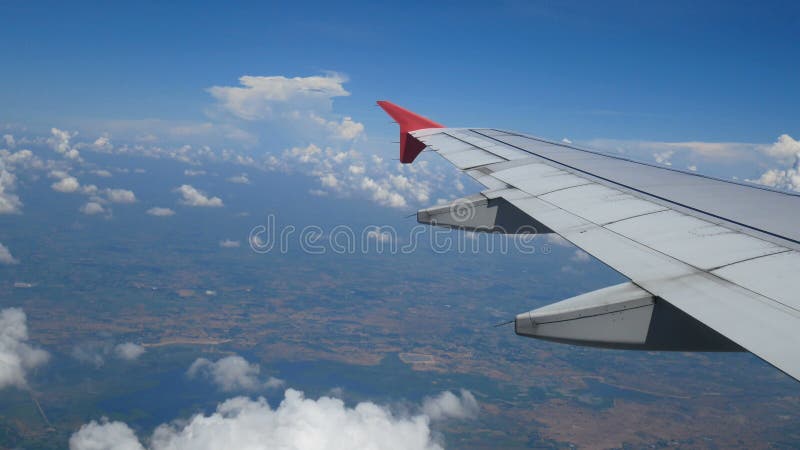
pixel 410 146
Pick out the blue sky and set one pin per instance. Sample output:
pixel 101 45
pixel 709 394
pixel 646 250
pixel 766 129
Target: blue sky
pixel 710 87
pixel 643 70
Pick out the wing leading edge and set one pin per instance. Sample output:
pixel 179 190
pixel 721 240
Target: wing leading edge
pixel 711 262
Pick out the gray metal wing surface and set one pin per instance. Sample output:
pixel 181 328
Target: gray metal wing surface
pixel 712 263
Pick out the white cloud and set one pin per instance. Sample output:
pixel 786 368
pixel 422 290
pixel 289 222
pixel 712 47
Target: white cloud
pixel 129 351
pixel 160 212
pixel 6 257
pixel 719 151
pixel 450 406
pixel 308 154
pixel 104 435
pixel 9 202
pixel 227 243
pixel 232 373
pixel 9 140
pixel 382 194
pixel 193 173
pixel 58 174
pixel 120 195
pixel 92 352
pixel 103 144
pixel 17 357
pixel 304 103
pixel 555 239
pixel 60 142
pixel 663 157
pixel 92 208
pixel 580 256
pixel 298 423
pixel 785 148
pixel 240 179
pixel 260 97
pixel 67 184
pixel 193 197
pixel 788 179
pixel 24 157
pixel 102 173
pixel 95 352
pixel 380 236
pixel 329 180
pixel 346 129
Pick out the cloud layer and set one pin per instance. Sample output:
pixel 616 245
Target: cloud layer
pixel 298 422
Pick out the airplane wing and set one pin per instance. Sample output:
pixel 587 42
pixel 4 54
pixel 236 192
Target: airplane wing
pixel 713 264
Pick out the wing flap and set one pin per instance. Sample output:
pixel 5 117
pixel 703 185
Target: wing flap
pixel 761 325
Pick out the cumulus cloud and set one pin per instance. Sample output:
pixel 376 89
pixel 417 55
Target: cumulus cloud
pixel 60 142
pixel 663 157
pixel 232 373
pixel 160 212
pixel 302 101
pixel 193 197
pixel 128 351
pixel 784 148
pixel 9 140
pixel 240 179
pixel 297 423
pixel 24 158
pixel 350 173
pixel 102 173
pixel 228 243
pixel 5 256
pixel 258 97
pixel 451 406
pixel 17 357
pixel 120 196
pixel 9 202
pixel 382 194
pixel 346 129
pixel 788 179
pixel 103 144
pixel 67 184
pixel 92 208
pixel 303 107
pixel 105 435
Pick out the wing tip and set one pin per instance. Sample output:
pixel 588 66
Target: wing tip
pixel 409 121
